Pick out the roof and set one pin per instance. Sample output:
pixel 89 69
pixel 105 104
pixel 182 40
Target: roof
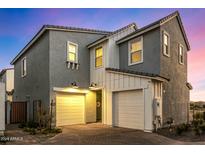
pixel 136 73
pixel 58 28
pixel 102 39
pixel 4 70
pixel 155 25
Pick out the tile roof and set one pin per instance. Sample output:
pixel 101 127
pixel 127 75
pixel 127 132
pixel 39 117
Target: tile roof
pixel 76 29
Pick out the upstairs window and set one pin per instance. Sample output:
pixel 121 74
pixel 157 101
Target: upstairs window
pixel 181 54
pixel 99 57
pixel 166 44
pixel 72 50
pixel 23 67
pixel 135 51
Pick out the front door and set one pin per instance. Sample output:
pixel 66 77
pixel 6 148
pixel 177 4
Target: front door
pixel 99 105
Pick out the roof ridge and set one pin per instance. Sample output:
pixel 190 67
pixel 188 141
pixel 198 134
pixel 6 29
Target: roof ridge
pixel 114 32
pixel 169 16
pixel 75 28
pixel 123 28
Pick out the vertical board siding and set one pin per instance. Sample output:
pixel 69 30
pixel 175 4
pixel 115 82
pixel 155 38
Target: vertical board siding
pixel 117 81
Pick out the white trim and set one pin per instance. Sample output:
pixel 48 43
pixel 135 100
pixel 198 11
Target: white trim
pixel 22 67
pixel 67 52
pixel 166 33
pixel 129 53
pixel 180 45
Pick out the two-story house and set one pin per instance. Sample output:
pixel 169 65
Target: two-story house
pixel 7 77
pixel 132 77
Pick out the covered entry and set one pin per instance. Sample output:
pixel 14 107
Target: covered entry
pixel 128 108
pixel 70 109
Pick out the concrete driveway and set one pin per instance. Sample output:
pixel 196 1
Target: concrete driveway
pixel 95 134
pixel 98 134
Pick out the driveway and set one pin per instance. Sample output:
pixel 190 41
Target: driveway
pixel 98 134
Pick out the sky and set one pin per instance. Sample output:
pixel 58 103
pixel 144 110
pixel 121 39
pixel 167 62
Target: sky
pixel 18 26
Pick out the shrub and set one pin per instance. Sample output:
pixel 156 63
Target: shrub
pixel 22 125
pixel 32 124
pixel 197 131
pixel 198 116
pixel 202 127
pixel 195 123
pixel 185 126
pixel 179 130
pixel 169 122
pixel 31 131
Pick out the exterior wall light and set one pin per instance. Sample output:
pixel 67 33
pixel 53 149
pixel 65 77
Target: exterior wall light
pixel 74 85
pixel 92 85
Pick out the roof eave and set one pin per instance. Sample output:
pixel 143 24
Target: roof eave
pixel 97 42
pixel 137 34
pixel 158 78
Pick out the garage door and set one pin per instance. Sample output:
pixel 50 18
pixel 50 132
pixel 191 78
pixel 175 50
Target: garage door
pixel 129 109
pixel 70 109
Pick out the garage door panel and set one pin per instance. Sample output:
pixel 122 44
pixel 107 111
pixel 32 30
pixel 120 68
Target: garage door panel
pixel 129 109
pixel 70 109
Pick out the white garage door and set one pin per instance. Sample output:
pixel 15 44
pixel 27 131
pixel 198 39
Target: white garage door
pixel 129 109
pixel 70 109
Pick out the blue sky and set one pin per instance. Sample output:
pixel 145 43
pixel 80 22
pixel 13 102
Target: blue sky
pixel 18 26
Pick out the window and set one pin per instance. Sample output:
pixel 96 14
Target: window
pixel 72 50
pixel 98 57
pixel 166 44
pixel 181 54
pixel 136 51
pixel 23 67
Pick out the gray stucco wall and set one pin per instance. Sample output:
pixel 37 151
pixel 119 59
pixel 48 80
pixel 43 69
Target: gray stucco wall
pixel 35 85
pixel 151 54
pixel 60 75
pixel 176 95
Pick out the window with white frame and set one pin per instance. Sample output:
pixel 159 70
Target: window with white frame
pixel 99 57
pixel 166 44
pixel 135 51
pixel 23 67
pixel 181 54
pixel 72 52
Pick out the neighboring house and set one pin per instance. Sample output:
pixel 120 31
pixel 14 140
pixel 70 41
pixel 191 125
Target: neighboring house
pixel 7 77
pixel 2 108
pixel 128 78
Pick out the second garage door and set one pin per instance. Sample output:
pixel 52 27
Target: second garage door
pixel 70 109
pixel 128 109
